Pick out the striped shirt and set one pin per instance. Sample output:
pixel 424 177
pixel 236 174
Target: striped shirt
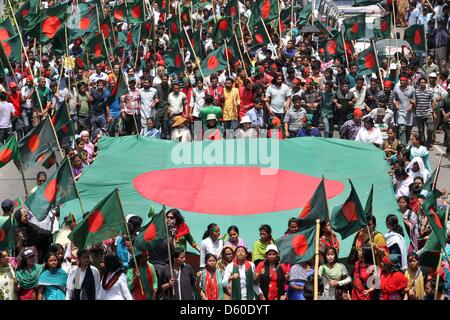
pixel 423 103
pixel 441 38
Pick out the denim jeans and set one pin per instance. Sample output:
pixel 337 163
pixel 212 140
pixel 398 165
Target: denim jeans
pixel 428 122
pixel 404 133
pixel 328 127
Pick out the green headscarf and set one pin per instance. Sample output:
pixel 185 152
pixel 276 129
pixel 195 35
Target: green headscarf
pixel 28 279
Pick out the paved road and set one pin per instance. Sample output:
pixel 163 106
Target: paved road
pixel 11 185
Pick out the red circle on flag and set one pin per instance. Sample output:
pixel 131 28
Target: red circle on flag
pixel 4 34
pixel 300 244
pixel 178 61
pixel 262 192
pixel 349 210
pixel 370 61
pixel 106 30
pixel 50 26
pixel 65 128
pixel 185 17
pixel 118 14
pixel 136 12
pixel 174 27
pixel 130 38
pixel 50 191
pixel 97 50
pixel 355 27
pixel 7 48
pixel 228 54
pixel 436 218
pixel 33 143
pixel 84 23
pixel 223 25
pixel 265 9
pixel 383 26
pixel 330 47
pixel 150 233
pixel 2 235
pixel 95 221
pixel 25 12
pixel 259 38
pixel 417 38
pixel 233 12
pixel 5 155
pixel 306 210
pixel 212 62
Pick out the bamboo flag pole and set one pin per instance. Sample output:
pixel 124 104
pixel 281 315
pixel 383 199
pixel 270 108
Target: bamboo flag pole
pixel 228 59
pixel 373 251
pixel 197 60
pixel 316 261
pixel 345 49
pixel 21 169
pixel 240 53
pixel 328 210
pixel 137 48
pixel 169 252
pixel 75 186
pixel 270 38
pixel 440 254
pixel 103 38
pixel 129 237
pixel 378 65
pixel 438 170
pixel 395 25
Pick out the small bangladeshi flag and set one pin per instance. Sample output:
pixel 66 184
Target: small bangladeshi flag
pixel 349 217
pixel 223 30
pixel 263 9
pixel 52 21
pixel 50 161
pixel 383 30
pixel 260 36
pixel 174 61
pixel 415 36
pixel 7 233
pixel 297 247
pixel 6 30
pixel 63 123
pixel 435 217
pixel 56 190
pixel 9 151
pixel 315 208
pixel 136 12
pixel 367 62
pixel 355 27
pixel 216 61
pixel 232 9
pixel 96 48
pixel 35 144
pixel 12 48
pixel 152 233
pixel 105 221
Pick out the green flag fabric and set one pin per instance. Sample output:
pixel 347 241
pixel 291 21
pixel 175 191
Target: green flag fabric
pixel 297 247
pixel 223 30
pixel 362 3
pixel 315 208
pixel 50 161
pixel 349 217
pixel 7 233
pixel 430 253
pixel 367 62
pixel 265 9
pixel 415 36
pixel 104 221
pixel 6 30
pixel 215 61
pixel 383 30
pixel 355 27
pixel 120 88
pixel 9 151
pixel 174 61
pixel 63 123
pixel 259 35
pixel 436 217
pixel 136 12
pixel 96 48
pixel 57 189
pixel 368 209
pixel 12 49
pixel 152 233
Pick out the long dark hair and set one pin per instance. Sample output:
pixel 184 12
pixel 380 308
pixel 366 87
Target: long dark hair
pixel 209 229
pixel 233 228
pixel 112 263
pixel 176 252
pixel 392 220
pixel 267 229
pixel 179 219
pixel 48 257
pixel 209 255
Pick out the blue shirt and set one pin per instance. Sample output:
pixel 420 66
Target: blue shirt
pixel 303 132
pixel 257 117
pixel 114 108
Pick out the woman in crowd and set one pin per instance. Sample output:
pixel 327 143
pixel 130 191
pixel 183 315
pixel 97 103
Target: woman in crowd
pixel 27 275
pixel 392 281
pixel 241 274
pixel 83 281
pixel 402 181
pixel 299 276
pixel 260 245
pixel 327 239
pixel 390 144
pixel 411 222
pixel 270 275
pixel 369 134
pixel 395 240
pixel 60 253
pixel 211 243
pixel 150 131
pixel 361 275
pixel 178 283
pixel 209 280
pixel 414 275
pixel 226 257
pixel 114 282
pixel 7 291
pixel 88 145
pixel 145 275
pixel 180 130
pixel 417 149
pixel 334 275
pixel 293 226
pixel 27 234
pixel 233 238
pixel 181 230
pixel 77 166
pixel 416 168
pixel 52 281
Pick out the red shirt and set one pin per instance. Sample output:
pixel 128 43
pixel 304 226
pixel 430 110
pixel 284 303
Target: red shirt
pixel 15 101
pixel 215 92
pixel 273 287
pixel 246 96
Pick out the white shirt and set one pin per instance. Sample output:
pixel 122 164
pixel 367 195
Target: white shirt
pixel 197 100
pixel 181 135
pixel 119 291
pixel 388 116
pixel 229 270
pixel 208 246
pixel 95 76
pixel 176 102
pixel 370 137
pixel 75 279
pixel 6 113
pixel 360 97
pixel 413 17
pixel 147 105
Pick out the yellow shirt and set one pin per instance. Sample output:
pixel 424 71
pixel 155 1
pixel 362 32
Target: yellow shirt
pixel 416 282
pixel 231 104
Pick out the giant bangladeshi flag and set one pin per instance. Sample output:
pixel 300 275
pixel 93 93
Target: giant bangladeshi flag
pixel 149 172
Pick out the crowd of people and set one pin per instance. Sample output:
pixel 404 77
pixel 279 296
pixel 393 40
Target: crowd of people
pixel 289 90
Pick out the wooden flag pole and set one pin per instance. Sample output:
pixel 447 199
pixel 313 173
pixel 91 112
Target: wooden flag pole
pixel 270 38
pixel 316 261
pixel 345 49
pixel 438 170
pixel 197 60
pixel 168 246
pixel 21 169
pixel 129 237
pixel 328 210
pixel 440 255
pixel 395 25
pixel 378 65
pixel 240 53
pixel 228 59
pixel 373 252
pixel 137 48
